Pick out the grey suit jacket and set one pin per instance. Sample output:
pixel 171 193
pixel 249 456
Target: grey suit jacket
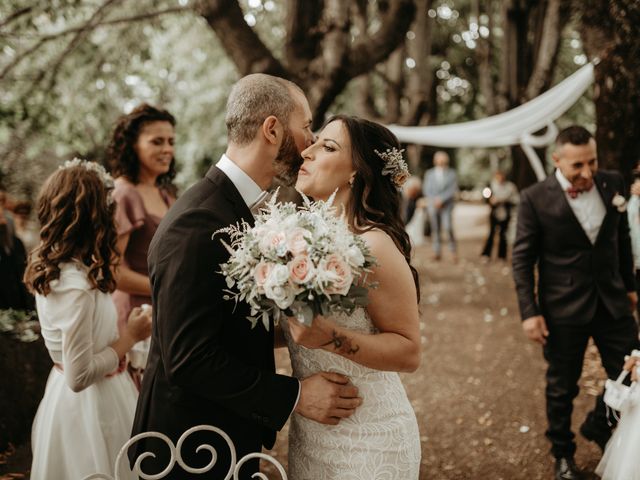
pixel 445 189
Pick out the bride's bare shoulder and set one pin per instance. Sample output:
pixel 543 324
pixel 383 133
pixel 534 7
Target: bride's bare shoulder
pixel 380 243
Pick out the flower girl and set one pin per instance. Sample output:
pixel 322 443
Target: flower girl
pixel 621 458
pixel 87 411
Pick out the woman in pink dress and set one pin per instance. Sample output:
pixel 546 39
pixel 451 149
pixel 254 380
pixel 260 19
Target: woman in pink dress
pixel 140 156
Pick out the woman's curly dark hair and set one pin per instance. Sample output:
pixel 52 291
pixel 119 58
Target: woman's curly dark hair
pixel 77 222
pixel 377 200
pixel 122 159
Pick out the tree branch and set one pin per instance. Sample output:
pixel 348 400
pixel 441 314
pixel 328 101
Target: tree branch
pixel 241 43
pixel 370 50
pixel 75 41
pixel 554 21
pixel 87 26
pixel 15 15
pixel 421 76
pixel 303 32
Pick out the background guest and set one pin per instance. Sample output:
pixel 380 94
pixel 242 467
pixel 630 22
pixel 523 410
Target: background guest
pixel 503 196
pixel 572 231
pixel 414 210
pixel 633 214
pixel 440 187
pixel 25 229
pixel 13 260
pixel 141 157
pixel 620 458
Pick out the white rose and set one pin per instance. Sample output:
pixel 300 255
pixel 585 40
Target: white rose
pixel 278 276
pixel 289 222
pixel 283 296
pixel 355 256
pixel 619 202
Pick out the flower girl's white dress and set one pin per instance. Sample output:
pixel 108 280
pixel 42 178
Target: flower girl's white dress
pixel 379 441
pixel 621 458
pixel 79 433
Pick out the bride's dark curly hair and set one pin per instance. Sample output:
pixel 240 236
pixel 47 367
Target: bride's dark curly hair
pixel 122 159
pixel 377 201
pixel 76 219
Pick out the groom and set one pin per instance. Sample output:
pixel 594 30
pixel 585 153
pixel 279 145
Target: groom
pixel 570 226
pixel 206 364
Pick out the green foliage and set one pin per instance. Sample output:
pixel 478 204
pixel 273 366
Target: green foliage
pixel 63 98
pixel 21 324
pixel 171 60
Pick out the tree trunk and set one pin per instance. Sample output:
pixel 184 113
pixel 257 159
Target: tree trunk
pixel 323 62
pixel 555 18
pixel 531 42
pixel 395 86
pixel 610 32
pixel 421 77
pixel 484 53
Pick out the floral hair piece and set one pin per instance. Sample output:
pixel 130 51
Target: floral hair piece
pixel 107 179
pixel 91 166
pixel 395 166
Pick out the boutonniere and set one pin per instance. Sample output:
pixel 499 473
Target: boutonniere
pixel 619 202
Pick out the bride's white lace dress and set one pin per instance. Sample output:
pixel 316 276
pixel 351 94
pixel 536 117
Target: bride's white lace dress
pixel 380 441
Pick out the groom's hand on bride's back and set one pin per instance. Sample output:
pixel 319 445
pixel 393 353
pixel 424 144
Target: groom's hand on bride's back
pixel 327 397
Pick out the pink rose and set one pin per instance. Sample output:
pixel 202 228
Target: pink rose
pixel 341 271
pixel 273 240
pixel 261 272
pixel 301 269
pixel 296 241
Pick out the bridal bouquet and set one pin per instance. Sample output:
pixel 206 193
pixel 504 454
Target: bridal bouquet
pixel 297 262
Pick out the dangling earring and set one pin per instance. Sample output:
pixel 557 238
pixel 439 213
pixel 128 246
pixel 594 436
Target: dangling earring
pixel 351 182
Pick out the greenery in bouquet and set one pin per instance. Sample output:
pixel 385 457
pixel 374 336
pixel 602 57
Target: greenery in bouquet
pixel 297 261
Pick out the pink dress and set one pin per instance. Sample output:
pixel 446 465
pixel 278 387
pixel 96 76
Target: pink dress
pixel 132 218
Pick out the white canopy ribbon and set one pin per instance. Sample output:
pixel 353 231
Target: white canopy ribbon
pixel 513 127
pixel 529 141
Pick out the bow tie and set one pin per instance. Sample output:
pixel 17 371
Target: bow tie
pixel 573 192
pixel 260 202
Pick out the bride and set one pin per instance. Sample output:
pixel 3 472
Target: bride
pixel 362 161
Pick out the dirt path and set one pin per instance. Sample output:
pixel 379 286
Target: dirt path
pixel 479 392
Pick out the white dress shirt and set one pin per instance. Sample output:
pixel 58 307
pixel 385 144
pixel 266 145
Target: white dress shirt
pixel 250 192
pixel 588 207
pixel 248 188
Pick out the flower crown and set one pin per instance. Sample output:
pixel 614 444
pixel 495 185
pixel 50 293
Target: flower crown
pixel 395 166
pixel 91 166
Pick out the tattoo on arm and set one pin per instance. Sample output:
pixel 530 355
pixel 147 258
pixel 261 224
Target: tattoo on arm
pixel 342 344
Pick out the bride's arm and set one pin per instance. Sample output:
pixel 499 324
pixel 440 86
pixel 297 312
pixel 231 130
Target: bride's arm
pixel 393 308
pixel 278 337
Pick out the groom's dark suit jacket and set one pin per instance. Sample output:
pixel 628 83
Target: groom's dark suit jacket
pixel 572 273
pixel 206 364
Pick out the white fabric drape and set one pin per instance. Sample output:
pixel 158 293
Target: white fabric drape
pixel 513 127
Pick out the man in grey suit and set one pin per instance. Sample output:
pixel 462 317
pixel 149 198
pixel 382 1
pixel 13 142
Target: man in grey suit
pixel 439 187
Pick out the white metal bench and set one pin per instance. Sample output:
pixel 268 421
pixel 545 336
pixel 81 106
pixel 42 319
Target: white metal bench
pixel 176 457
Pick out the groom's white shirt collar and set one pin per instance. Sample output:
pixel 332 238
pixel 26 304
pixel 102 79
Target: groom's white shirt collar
pixel 562 180
pixel 249 190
